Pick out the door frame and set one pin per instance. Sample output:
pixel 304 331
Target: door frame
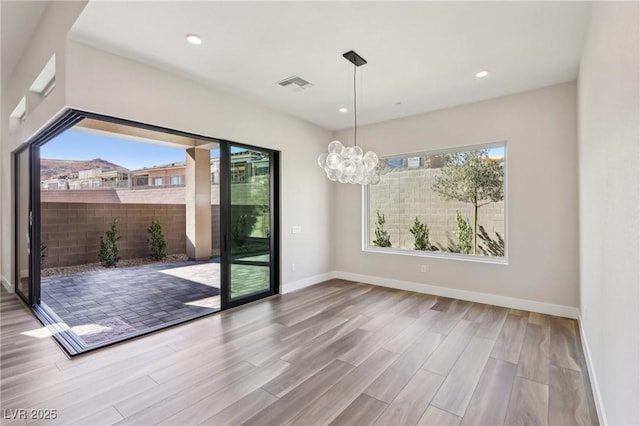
pixel 18 189
pixel 226 226
pixel 66 120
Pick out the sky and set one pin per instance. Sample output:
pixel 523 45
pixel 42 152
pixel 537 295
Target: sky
pixel 496 152
pixel 79 145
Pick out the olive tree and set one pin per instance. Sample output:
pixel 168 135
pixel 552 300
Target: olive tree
pixel 471 177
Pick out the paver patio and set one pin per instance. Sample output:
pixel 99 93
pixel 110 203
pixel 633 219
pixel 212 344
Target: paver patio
pixel 122 302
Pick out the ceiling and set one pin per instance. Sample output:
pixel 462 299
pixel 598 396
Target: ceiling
pixel 422 56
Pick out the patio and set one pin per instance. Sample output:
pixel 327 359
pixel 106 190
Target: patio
pixel 112 305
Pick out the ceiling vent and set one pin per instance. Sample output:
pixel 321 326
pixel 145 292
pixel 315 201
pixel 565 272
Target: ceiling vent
pixel 296 83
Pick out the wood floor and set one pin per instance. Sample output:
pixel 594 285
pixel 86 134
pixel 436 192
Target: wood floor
pixel 336 353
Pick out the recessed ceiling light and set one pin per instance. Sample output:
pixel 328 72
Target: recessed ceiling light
pixel 194 39
pixel 343 109
pixel 482 74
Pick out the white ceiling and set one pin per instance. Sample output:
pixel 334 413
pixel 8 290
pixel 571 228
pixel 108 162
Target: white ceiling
pixel 422 55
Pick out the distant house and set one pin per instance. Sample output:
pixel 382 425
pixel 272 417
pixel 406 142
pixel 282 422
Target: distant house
pixel 244 165
pixel 102 178
pixel 171 174
pixel 88 179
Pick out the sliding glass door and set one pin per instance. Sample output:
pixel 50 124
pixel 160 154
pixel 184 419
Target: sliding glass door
pixel 248 222
pixel 27 243
pixel 249 263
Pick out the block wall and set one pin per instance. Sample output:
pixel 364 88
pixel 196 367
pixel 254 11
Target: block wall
pixel 71 231
pixel 404 195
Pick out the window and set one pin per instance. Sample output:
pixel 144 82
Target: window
pixel 238 172
pixel 142 180
pixel 44 84
pixel 175 180
pixel 448 203
pixel 157 181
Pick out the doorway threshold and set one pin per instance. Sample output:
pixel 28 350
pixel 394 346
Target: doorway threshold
pixel 77 340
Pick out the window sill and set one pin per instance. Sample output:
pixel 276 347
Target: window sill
pixel 440 255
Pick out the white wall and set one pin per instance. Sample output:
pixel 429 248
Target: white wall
pixel 609 164
pixel 48 39
pixel 108 84
pixel 542 243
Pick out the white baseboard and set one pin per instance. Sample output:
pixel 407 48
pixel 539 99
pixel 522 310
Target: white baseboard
pixel 7 285
pixel 307 282
pixel 595 388
pixel 472 296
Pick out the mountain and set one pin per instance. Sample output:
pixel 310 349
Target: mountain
pixel 50 168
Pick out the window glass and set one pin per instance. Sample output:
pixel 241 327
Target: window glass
pixel 449 203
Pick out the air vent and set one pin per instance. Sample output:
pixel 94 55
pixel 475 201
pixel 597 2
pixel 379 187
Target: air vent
pixel 296 83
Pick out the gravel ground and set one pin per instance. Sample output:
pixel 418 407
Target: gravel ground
pixel 93 267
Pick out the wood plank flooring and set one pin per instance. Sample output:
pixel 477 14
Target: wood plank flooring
pixel 340 353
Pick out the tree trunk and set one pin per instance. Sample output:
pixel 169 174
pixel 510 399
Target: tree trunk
pixel 475 227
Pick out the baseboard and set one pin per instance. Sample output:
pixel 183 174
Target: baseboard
pixel 595 388
pixel 7 285
pixel 472 296
pixel 307 282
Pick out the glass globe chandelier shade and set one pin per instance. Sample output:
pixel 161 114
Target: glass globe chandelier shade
pixel 352 165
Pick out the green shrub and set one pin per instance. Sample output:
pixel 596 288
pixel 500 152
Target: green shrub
pixel 157 243
pixel 240 232
pixel 43 253
pixel 108 254
pixel 382 236
pixel 465 234
pixel 420 232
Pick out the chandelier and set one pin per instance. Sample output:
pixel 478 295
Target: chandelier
pixel 351 164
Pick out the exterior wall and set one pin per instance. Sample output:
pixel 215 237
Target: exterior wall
pixel 171 195
pixel 401 205
pixel 609 162
pixel 83 196
pixel 71 231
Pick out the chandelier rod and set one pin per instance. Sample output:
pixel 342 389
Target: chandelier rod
pixel 357 61
pixel 355 109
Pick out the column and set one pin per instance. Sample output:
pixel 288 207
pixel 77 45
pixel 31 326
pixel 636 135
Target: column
pixel 198 203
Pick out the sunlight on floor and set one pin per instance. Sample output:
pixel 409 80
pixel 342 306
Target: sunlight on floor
pixel 205 273
pixel 88 329
pixel 80 330
pixel 46 331
pixel 209 302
